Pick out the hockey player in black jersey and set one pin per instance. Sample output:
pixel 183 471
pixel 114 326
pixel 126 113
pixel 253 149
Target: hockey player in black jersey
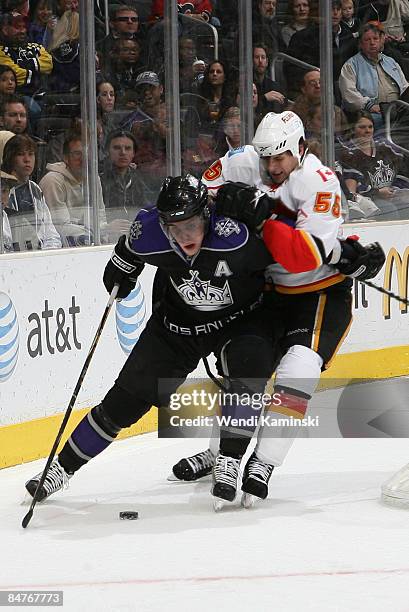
pixel 212 302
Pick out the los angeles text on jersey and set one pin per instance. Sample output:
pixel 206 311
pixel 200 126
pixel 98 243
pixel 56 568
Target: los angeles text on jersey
pixel 211 326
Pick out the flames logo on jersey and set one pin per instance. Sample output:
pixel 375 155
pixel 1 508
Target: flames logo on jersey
pixel 202 295
pixel 215 170
pixel 226 227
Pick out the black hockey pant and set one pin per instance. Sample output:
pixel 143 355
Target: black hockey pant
pixel 158 364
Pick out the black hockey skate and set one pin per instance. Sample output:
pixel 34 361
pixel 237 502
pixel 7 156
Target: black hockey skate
pixel 226 472
pixel 194 467
pixel 256 475
pixel 56 479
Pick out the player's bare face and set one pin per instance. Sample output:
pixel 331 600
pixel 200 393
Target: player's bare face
pixel 188 234
pixel 280 166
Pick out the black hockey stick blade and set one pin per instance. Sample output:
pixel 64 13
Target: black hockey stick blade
pixel 27 518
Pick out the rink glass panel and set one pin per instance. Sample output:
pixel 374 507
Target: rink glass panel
pixel 185 133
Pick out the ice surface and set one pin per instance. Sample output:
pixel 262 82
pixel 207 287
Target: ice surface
pixel 322 540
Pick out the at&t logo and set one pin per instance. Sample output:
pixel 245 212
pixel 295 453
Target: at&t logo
pixel 130 315
pixel 9 337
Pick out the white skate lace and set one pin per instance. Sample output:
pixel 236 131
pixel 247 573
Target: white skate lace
pixel 259 470
pixel 226 470
pixel 56 479
pixel 201 461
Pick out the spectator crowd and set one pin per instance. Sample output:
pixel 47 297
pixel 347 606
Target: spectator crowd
pixel 41 132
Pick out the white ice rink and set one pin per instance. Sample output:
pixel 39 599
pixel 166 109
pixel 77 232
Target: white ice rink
pixel 322 541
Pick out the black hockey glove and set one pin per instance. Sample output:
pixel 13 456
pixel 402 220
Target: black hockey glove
pixel 245 203
pixel 358 261
pixel 123 269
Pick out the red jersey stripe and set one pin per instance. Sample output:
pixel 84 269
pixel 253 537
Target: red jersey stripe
pixel 294 249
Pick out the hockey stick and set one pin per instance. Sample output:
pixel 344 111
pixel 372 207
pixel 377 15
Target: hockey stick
pixel 213 377
pixel 390 294
pixel 67 414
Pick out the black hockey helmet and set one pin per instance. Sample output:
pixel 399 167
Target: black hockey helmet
pixel 182 197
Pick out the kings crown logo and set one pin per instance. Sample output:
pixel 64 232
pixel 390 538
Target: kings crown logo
pixel 202 295
pixel 227 227
pixel 383 175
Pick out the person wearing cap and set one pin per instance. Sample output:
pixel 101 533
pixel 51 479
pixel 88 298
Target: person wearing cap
pixel 29 60
pixel 148 125
pixel 149 91
pixel 371 78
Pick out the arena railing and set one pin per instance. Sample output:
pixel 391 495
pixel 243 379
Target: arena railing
pixel 387 119
pixel 276 68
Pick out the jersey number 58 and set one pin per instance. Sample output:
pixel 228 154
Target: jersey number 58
pixel 323 203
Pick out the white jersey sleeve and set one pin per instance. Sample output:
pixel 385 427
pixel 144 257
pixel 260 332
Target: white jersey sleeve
pixel 241 164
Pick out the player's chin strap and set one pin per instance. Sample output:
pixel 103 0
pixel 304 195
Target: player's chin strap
pixel 390 294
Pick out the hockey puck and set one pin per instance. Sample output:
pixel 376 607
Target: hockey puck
pixel 129 515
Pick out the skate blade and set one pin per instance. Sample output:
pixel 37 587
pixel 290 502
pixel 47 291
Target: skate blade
pixel 248 500
pixel 398 502
pixel 173 478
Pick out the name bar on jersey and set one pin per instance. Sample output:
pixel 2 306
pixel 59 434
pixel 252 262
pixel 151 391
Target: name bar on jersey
pixel 211 326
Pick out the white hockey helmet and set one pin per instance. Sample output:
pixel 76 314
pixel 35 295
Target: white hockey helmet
pixel 278 133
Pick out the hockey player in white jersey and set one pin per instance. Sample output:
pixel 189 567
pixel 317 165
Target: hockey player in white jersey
pixel 310 293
